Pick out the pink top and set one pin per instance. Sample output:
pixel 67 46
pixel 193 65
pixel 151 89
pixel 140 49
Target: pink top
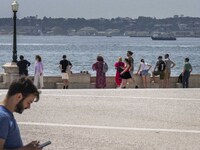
pixel 38 67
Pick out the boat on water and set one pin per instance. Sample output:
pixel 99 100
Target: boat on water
pixel 109 35
pixel 163 36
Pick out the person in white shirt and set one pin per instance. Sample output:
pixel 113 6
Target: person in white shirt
pixel 143 70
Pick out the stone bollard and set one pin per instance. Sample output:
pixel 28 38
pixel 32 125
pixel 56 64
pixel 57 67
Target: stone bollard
pixel 11 72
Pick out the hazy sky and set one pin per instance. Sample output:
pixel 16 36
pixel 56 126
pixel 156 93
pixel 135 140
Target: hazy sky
pixel 102 8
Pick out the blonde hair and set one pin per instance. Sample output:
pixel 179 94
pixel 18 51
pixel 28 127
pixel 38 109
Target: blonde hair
pixel 120 59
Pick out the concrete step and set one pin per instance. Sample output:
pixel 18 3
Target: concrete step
pixel 154 85
pixel 109 85
pixel 60 85
pixel 93 85
pixel 179 85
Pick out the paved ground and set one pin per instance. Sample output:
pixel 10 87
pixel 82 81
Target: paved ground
pixel 127 119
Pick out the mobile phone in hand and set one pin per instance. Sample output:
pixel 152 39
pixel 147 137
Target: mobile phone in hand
pixel 44 144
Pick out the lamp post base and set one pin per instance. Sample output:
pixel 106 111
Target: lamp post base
pixel 11 72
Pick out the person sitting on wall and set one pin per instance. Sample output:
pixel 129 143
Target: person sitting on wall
pixel 159 70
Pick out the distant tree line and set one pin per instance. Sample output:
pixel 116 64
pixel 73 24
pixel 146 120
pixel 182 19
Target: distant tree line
pixel 147 24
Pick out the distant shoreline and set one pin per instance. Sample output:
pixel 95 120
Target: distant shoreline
pixel 98 36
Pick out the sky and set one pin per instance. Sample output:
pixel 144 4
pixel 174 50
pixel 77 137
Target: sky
pixel 101 8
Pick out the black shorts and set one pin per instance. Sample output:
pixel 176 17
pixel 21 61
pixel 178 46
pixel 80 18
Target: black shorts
pixel 126 75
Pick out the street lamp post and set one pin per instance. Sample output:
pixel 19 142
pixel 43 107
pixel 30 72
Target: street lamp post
pixel 15 7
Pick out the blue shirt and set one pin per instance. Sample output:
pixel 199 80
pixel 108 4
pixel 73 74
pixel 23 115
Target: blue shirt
pixel 9 130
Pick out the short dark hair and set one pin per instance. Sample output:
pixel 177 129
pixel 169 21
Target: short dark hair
pixel 25 86
pixel 159 57
pixel 100 58
pixel 64 56
pixel 166 55
pixel 187 59
pixel 142 60
pixel 21 57
pixel 128 61
pixel 130 53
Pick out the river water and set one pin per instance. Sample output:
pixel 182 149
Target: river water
pixel 82 51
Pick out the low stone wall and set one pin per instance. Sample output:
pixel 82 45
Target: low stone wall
pixel 194 82
pixel 86 81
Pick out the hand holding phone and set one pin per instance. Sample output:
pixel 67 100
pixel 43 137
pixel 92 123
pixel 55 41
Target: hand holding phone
pixel 44 144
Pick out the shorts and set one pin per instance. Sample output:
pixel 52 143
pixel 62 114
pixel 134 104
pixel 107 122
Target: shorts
pixel 126 75
pixel 65 76
pixel 167 74
pixel 144 73
pixel 161 73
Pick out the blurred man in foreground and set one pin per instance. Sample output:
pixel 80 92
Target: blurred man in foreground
pixel 21 94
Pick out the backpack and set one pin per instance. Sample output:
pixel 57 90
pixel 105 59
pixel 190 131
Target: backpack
pixel 105 67
pixel 161 66
pixel 180 78
pixel 119 69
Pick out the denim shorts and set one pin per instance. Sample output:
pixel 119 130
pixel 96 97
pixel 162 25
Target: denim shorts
pixel 144 73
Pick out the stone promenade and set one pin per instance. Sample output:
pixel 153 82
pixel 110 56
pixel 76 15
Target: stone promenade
pixel 114 119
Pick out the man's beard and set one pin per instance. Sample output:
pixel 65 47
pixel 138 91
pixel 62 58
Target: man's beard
pixel 19 107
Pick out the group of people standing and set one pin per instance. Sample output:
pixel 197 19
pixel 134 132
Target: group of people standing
pixel 64 65
pixel 163 69
pixel 23 65
pixel 125 69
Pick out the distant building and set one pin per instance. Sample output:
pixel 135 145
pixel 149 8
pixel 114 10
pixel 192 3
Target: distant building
pixel 87 31
pixel 183 27
pixel 56 31
pixel 28 30
pixel 137 33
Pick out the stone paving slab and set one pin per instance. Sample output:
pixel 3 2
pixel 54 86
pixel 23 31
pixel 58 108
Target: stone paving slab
pixel 114 119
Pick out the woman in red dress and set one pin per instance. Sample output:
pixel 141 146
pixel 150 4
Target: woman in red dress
pixel 100 75
pixel 119 68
